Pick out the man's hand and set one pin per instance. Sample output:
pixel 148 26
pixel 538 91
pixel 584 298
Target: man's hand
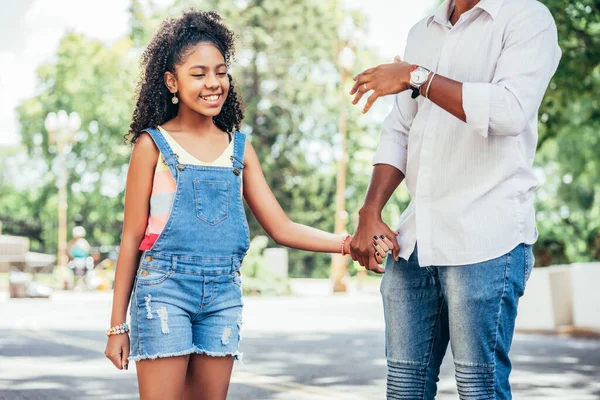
pixel 364 246
pixel 383 80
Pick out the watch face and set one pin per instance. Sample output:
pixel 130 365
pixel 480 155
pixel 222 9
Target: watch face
pixel 419 76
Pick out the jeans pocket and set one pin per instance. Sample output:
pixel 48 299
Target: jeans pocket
pixel 212 200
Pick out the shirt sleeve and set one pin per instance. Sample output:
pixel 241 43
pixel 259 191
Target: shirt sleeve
pixel 393 144
pixel 529 59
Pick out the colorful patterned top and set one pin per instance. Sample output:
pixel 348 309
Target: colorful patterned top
pixel 164 187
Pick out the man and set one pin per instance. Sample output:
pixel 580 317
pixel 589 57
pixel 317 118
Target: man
pixel 463 133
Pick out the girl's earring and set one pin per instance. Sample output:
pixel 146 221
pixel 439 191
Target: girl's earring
pixel 174 100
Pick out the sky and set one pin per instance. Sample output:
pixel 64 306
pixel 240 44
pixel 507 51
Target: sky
pixel 30 31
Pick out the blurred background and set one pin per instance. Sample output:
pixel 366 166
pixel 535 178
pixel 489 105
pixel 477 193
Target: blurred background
pixel 68 69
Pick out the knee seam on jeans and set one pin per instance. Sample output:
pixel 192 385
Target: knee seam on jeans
pixel 407 362
pixel 475 382
pixel 406 378
pixel 490 366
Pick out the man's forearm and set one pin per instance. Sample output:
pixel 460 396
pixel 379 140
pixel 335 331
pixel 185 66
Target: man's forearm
pixel 384 181
pixel 395 78
pixel 447 94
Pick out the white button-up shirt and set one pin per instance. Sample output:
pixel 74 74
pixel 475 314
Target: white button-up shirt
pixel 471 183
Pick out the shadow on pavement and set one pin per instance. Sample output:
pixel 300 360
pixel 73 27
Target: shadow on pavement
pixel 283 366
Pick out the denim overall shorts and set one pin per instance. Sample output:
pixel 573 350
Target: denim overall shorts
pixel 187 295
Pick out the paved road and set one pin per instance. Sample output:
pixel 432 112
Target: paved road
pixel 295 348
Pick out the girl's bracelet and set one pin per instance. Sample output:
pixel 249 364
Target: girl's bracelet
pixel 343 252
pixel 118 329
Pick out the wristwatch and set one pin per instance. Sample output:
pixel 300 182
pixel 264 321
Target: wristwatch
pixel 418 77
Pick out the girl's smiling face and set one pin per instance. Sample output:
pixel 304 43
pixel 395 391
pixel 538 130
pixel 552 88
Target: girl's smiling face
pixel 201 81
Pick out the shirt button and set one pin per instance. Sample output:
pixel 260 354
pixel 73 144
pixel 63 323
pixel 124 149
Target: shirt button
pixel 144 272
pixel 148 258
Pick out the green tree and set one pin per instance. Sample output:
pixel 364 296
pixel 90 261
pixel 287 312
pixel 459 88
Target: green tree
pixel 18 190
pixel 569 144
pixel 96 81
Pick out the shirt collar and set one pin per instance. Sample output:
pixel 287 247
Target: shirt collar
pixel 442 13
pixel 492 7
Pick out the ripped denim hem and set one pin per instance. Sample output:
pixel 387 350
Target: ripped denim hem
pixel 237 356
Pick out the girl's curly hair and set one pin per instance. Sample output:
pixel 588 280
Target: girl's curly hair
pixel 167 50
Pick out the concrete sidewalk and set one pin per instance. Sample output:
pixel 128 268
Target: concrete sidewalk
pixel 314 346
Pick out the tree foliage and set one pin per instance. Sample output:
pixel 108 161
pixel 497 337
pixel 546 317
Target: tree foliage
pixel 286 68
pixel 569 144
pixel 96 81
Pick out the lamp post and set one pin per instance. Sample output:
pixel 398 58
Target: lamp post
pixel 62 128
pixel 345 58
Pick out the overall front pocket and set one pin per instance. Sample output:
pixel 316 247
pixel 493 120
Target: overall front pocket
pixel 147 276
pixel 212 200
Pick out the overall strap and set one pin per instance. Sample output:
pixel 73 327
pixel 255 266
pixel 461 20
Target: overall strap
pixel 239 146
pixel 171 159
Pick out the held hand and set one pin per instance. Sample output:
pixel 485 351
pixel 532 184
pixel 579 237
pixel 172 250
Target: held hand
pixel 383 80
pixel 347 245
pixel 367 241
pixel 382 246
pixel 117 350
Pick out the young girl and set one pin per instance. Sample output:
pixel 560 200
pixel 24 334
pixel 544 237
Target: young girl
pixel 184 211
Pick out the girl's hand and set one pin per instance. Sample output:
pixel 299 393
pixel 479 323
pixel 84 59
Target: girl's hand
pixel 117 350
pixel 382 246
pixel 379 257
pixel 347 245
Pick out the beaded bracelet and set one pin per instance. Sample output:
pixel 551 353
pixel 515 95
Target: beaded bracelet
pixel 118 329
pixel 344 244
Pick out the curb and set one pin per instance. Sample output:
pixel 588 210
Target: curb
pixel 565 331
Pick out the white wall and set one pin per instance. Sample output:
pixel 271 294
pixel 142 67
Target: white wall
pixel 586 295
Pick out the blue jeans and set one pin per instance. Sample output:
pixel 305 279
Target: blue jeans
pixel 471 306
